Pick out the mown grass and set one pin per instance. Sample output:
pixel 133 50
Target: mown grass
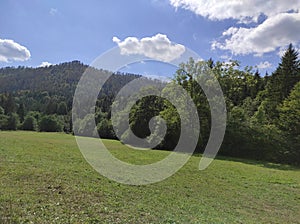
pixel 44 179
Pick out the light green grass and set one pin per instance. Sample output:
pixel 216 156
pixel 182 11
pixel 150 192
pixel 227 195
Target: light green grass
pixel 44 179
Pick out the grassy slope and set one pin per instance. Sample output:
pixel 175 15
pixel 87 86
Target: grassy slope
pixel 44 179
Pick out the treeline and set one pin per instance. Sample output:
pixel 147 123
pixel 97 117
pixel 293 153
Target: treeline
pixel 40 99
pixel 263 121
pixel 55 80
pixel 263 113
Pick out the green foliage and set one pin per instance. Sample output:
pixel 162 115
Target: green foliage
pixel 237 84
pixel 30 123
pixel 51 107
pixel 260 116
pixel 105 129
pixel 1 110
pixel 50 123
pixel 13 122
pixel 282 82
pixel 8 103
pixel 85 126
pixel 288 72
pixel 3 122
pixel 289 121
pixel 145 109
pixel 36 114
pixel 62 108
pixel 21 111
pixel 263 142
pixel 290 112
pixel 263 112
pixel 237 114
pixel 56 80
pixel 171 116
pixel 49 90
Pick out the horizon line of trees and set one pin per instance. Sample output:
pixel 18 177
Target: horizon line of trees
pixel 263 113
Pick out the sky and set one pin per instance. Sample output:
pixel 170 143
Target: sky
pixel 255 32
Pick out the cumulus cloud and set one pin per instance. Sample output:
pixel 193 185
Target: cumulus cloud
pixel 274 32
pixel 12 51
pixel 280 27
pixel 44 64
pixel 242 10
pixel 157 47
pixel 264 65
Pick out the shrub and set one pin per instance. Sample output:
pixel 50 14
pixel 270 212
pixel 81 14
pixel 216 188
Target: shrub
pixel 3 122
pixel 30 123
pixel 50 123
pixel 105 129
pixel 13 121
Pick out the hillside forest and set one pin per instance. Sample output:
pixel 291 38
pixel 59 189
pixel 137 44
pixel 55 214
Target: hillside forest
pixel 263 110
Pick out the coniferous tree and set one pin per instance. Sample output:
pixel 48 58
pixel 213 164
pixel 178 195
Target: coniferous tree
pixel 282 81
pixel 62 108
pixel 21 112
pixel 288 71
pixel 10 104
pixel 286 75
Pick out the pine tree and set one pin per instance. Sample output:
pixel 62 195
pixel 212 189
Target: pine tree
pixel 282 81
pixel 288 72
pixel 62 108
pixel 21 112
pixel 10 105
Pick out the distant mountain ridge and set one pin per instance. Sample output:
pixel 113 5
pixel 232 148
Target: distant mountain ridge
pixel 58 79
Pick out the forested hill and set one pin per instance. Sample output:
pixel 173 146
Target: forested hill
pixel 263 113
pixel 58 79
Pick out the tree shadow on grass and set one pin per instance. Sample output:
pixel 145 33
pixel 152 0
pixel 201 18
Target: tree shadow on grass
pixel 260 163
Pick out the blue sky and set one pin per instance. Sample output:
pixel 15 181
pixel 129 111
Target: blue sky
pixel 255 32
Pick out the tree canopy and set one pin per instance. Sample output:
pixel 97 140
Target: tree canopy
pixel 263 112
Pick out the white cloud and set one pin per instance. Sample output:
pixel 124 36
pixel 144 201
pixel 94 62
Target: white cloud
pixel 45 64
pixel 159 77
pixel 264 65
pixel 225 57
pixel 157 47
pixel 116 40
pixel 230 31
pixel 281 25
pixel 12 51
pixel 242 10
pixel 53 11
pixel 274 32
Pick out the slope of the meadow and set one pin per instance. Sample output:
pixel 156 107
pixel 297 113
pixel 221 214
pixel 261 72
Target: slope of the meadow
pixel 45 179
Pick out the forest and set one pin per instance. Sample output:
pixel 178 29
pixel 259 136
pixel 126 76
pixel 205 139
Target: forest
pixel 263 111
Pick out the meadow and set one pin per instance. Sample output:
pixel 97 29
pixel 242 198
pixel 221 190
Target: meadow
pixel 45 179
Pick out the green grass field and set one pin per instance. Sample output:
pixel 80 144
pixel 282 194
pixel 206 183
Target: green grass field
pixel 44 179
